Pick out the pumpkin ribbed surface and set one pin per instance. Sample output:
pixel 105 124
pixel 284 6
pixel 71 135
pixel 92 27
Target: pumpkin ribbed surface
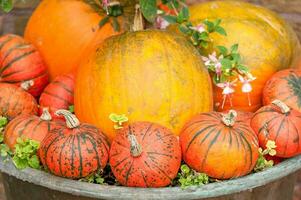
pixel 144 154
pixel 22 64
pixel 15 101
pixel 75 25
pixel 266 43
pixel 58 94
pixel 271 123
pixel 219 150
pixel 74 152
pixel 285 86
pixel 148 75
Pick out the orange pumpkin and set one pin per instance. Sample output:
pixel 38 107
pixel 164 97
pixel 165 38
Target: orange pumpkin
pixel 151 75
pixel 267 44
pixel 281 124
pixel 219 145
pixel 63 30
pixel 29 127
pixel 145 155
pixel 284 86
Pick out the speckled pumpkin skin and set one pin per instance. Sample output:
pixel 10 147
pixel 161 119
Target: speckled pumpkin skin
pixel 149 75
pixel 285 86
pixel 74 153
pixel 159 162
pixel 266 43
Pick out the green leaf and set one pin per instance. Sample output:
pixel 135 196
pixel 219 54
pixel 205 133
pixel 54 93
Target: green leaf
pixel 6 5
pixel 103 21
pixel 204 36
pixel 226 64
pixel 149 9
pixel 243 69
pixel 25 154
pixel 188 177
pixel 115 24
pixel 183 15
pixel 184 29
pixel 3 122
pixel 223 50
pixel 220 30
pixel 71 109
pixel 217 22
pixel 236 57
pixel 170 19
pixel 234 48
pixel 204 44
pixel 210 25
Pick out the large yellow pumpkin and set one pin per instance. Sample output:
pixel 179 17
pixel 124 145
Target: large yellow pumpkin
pixel 148 75
pixel 266 43
pixel 63 30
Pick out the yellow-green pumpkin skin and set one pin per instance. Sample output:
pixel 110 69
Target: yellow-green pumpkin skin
pixel 267 44
pixel 151 75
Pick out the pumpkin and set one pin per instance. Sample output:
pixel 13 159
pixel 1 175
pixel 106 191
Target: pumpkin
pixel 150 75
pixel 28 127
pixel 219 145
pixel 145 154
pixel 22 65
pixel 72 37
pixel 281 124
pixel 74 151
pixel 58 94
pixel 255 29
pixel 285 86
pixel 14 101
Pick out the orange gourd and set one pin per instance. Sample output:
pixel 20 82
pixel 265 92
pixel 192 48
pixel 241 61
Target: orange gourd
pixel 219 145
pixel 145 155
pixel 64 30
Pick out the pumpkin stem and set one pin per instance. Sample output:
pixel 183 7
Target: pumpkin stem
pixel 136 148
pixel 26 85
pixel 71 119
pixel 283 107
pixel 138 19
pixel 229 118
pixel 45 116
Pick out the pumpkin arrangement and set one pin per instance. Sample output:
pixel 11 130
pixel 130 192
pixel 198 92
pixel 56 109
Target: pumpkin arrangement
pixel 188 98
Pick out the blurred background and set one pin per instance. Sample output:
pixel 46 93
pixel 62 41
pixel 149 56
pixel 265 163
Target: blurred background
pixel 15 22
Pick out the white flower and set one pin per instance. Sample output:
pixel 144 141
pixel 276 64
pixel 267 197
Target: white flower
pixel 246 86
pixel 161 23
pixel 213 61
pixel 228 87
pixel 199 28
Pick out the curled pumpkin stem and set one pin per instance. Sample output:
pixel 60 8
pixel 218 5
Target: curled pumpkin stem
pixel 71 119
pixel 136 148
pixel 118 120
pixel 283 107
pixel 229 118
pixel 45 116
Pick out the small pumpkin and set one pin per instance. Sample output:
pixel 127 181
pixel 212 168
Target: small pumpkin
pixel 22 65
pixel 279 123
pixel 219 145
pixel 145 154
pixel 285 86
pixel 58 94
pixel 160 79
pixel 255 29
pixel 14 101
pixel 74 151
pixel 28 127
pixel 72 37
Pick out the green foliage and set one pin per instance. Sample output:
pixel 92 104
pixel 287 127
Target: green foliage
pixel 188 177
pixel 94 178
pixel 71 109
pixel 6 5
pixel 262 162
pixel 25 154
pixel 118 119
pixel 149 9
